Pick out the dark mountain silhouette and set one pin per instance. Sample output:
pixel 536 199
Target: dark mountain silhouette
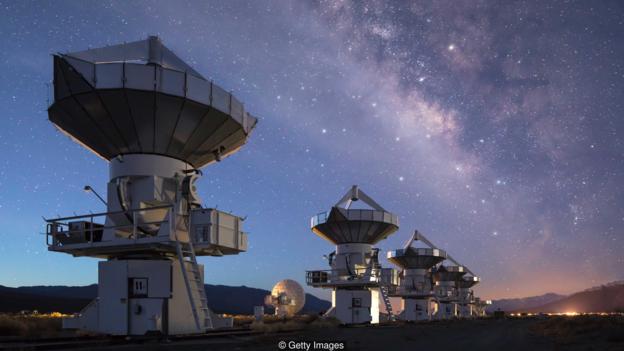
pixel 607 298
pixel 72 292
pixel 509 305
pixel 18 299
pixel 242 299
pixel 70 299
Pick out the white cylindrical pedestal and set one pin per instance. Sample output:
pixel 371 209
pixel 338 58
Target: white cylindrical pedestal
pixel 135 165
pixel 347 257
pixel 355 306
pixel 447 307
pixel 415 309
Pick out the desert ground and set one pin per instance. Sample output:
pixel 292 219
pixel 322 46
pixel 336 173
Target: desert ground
pixel 534 334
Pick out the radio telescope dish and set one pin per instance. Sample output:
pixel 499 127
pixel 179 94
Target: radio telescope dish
pixel 288 298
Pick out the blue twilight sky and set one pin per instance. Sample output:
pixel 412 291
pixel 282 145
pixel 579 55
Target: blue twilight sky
pixel 495 128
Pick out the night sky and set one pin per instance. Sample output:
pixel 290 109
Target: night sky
pixel 494 128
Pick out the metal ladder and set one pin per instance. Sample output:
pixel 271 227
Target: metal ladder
pixel 186 254
pixel 386 300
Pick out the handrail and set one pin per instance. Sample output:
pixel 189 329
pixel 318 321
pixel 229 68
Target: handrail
pixel 61 227
pixel 102 226
pixel 359 273
pixel 357 215
pixel 107 213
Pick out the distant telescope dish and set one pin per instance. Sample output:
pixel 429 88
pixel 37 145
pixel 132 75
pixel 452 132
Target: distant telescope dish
pixel 287 297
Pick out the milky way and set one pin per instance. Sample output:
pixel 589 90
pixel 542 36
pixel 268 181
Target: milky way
pixel 494 128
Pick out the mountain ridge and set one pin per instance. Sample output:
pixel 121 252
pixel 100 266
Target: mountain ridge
pixel 607 297
pixel 71 299
pixel 513 304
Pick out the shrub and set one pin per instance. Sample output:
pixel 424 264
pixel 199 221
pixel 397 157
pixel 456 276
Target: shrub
pixel 11 326
pixel 32 326
pixel 272 324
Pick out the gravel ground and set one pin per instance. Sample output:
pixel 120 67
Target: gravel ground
pixel 530 334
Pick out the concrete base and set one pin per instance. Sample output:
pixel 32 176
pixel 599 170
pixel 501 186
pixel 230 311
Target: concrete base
pixel 355 306
pixel 447 310
pixel 415 310
pixel 136 297
pixel 466 311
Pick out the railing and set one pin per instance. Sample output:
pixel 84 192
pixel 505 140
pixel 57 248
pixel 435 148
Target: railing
pixel 418 251
pixel 466 298
pixel 317 277
pixel 86 229
pixel 333 276
pixel 446 295
pixel 383 276
pixel 133 75
pixel 412 291
pixel 319 219
pixel 358 215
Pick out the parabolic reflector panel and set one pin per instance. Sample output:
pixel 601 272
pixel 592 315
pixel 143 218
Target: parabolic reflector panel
pixel 115 107
pixel 342 226
pixel 416 258
pixel 449 273
pixel 468 282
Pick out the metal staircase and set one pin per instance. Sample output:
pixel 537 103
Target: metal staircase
pixel 386 300
pixel 194 282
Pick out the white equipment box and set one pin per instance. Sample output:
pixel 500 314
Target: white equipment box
pixel 219 229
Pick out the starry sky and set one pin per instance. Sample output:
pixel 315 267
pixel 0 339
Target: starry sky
pixel 494 128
